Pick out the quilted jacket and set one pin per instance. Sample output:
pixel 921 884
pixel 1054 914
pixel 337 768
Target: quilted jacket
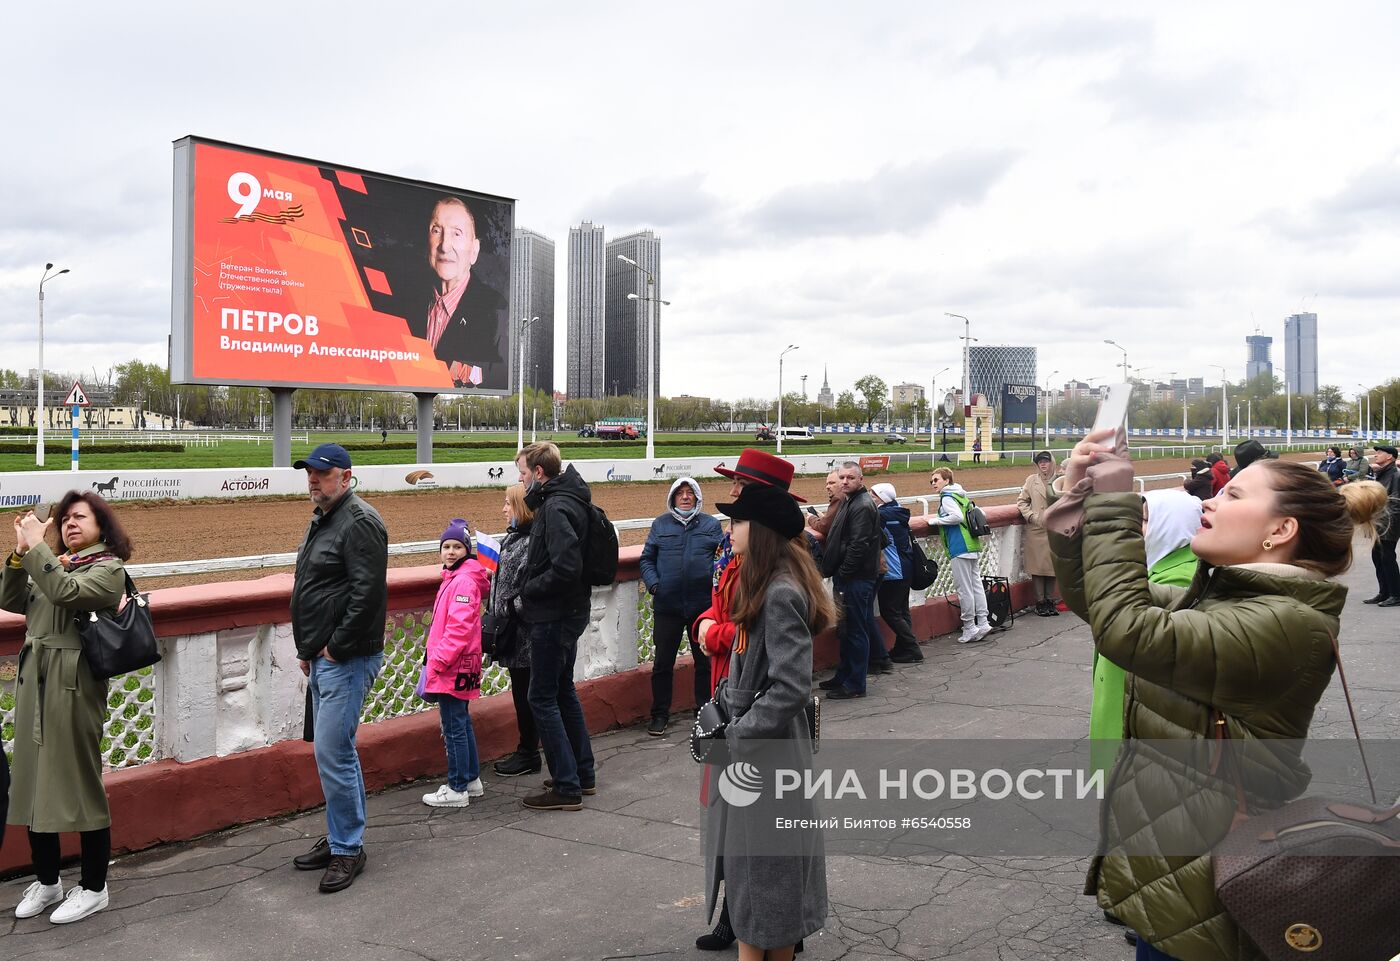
pixel 1254 643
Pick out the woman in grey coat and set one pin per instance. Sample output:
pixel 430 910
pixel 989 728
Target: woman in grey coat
pixel 775 882
pixel 510 574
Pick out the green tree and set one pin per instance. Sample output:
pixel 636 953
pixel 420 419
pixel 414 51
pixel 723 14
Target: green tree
pixel 1330 402
pixel 873 392
pixel 847 411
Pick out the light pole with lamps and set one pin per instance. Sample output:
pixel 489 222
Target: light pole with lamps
pixel 39 448
pixel 1125 358
pixel 789 349
pixel 1363 387
pixel 1048 378
pixel 1224 408
pixel 525 323
pixel 654 317
pixel 967 340
pixel 932 402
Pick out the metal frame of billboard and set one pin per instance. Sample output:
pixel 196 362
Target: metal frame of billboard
pixel 181 295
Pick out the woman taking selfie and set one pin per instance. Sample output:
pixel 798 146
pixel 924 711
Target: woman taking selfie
pixel 59 705
pixel 774 899
pixel 1249 642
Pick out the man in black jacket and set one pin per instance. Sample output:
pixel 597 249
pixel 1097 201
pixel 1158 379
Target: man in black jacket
pixel 1383 551
pixel 851 558
pixel 553 602
pixel 339 599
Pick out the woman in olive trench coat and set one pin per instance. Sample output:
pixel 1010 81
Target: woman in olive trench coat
pixel 1035 545
pixel 56 782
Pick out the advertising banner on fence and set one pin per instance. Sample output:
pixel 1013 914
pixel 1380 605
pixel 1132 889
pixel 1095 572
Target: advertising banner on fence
pixel 295 273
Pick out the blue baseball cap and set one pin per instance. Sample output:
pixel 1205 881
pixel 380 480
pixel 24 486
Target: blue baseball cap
pixel 325 457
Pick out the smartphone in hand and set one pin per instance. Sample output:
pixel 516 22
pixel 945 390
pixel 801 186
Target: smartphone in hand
pixel 1113 408
pixel 42 511
pixel 812 511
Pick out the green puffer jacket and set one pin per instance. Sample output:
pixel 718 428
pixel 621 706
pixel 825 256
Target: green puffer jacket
pixel 1252 641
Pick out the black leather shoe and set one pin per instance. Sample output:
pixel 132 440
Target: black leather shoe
pixel 1390 602
pixel 518 764
pixel 1374 600
pixel 829 685
pixel 718 939
pixel 342 871
pixel 1130 936
pixel 841 694
pixel 883 667
pixel 316 859
pixel 901 657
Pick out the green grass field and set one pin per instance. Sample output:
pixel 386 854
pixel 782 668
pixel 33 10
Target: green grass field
pixel 242 453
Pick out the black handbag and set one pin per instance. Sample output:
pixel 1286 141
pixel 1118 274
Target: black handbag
pixel 922 570
pixel 711 721
pixel 122 641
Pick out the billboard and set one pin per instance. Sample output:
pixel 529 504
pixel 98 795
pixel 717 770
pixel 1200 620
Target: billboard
pixel 1018 403
pixel 295 273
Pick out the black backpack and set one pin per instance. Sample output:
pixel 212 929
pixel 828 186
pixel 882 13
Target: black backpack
pixel 600 550
pixel 922 570
pixel 976 522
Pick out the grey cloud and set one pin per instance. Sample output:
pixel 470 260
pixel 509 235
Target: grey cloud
pixel 1070 37
pixel 662 202
pixel 896 199
pixel 1138 92
pixel 1370 199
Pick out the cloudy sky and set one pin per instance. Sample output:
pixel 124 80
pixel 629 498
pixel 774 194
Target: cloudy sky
pixel 831 175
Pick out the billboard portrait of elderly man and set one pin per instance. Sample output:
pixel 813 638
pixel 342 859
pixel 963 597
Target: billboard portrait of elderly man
pixel 465 320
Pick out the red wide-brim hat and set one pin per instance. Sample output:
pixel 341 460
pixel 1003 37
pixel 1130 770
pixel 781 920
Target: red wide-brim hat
pixel 760 467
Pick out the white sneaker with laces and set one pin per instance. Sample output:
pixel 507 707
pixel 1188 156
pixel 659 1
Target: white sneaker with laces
pixel 982 632
pixel 79 904
pixel 37 897
pixel 445 797
pixel 475 788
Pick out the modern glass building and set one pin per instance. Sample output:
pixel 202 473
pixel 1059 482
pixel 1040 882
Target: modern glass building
pixel 1300 353
pixel 1258 359
pixel 625 367
pixel 993 365
pixel 532 295
pixel 586 347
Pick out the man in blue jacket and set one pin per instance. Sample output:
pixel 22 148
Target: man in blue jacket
pixel 676 567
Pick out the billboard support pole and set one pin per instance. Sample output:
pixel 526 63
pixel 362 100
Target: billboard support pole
pixel 425 428
pixel 282 426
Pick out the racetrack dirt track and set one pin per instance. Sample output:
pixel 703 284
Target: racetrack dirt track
pixel 165 532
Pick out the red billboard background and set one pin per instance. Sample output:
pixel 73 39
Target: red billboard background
pixel 305 275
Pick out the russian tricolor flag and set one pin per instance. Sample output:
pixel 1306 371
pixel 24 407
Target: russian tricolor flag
pixel 488 552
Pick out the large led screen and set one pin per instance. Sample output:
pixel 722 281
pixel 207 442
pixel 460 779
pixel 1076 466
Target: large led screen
pixel 294 273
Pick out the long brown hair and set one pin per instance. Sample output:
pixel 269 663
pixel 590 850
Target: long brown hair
pixel 770 555
pixel 1327 516
pixel 109 529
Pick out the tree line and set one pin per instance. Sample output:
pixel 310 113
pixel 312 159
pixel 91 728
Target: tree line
pixel 147 386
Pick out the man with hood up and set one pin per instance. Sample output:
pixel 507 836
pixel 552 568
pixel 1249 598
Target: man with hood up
pixel 676 567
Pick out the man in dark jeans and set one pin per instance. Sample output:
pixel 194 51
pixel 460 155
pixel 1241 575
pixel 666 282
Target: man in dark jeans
pixel 677 563
pixel 553 602
pixel 851 558
pixel 1383 551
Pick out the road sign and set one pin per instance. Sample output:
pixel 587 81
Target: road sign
pixel 77 397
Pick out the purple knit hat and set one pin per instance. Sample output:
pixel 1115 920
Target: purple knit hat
pixel 457 530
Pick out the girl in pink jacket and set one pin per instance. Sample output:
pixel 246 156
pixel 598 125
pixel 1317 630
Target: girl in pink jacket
pixel 452 671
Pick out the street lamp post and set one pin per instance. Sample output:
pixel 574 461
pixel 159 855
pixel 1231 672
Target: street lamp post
pixel 653 321
pixel 1047 408
pixel 932 401
pixel 525 323
pixel 789 349
pixel 39 448
pixel 1125 358
pixel 1364 388
pixel 1224 409
pixel 967 340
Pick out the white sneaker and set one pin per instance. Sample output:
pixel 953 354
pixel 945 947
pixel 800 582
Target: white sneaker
pixel 79 904
pixel 475 788
pixel 982 632
pixel 37 897
pixel 445 797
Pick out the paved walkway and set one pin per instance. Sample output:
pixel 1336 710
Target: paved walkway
pixel 623 879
